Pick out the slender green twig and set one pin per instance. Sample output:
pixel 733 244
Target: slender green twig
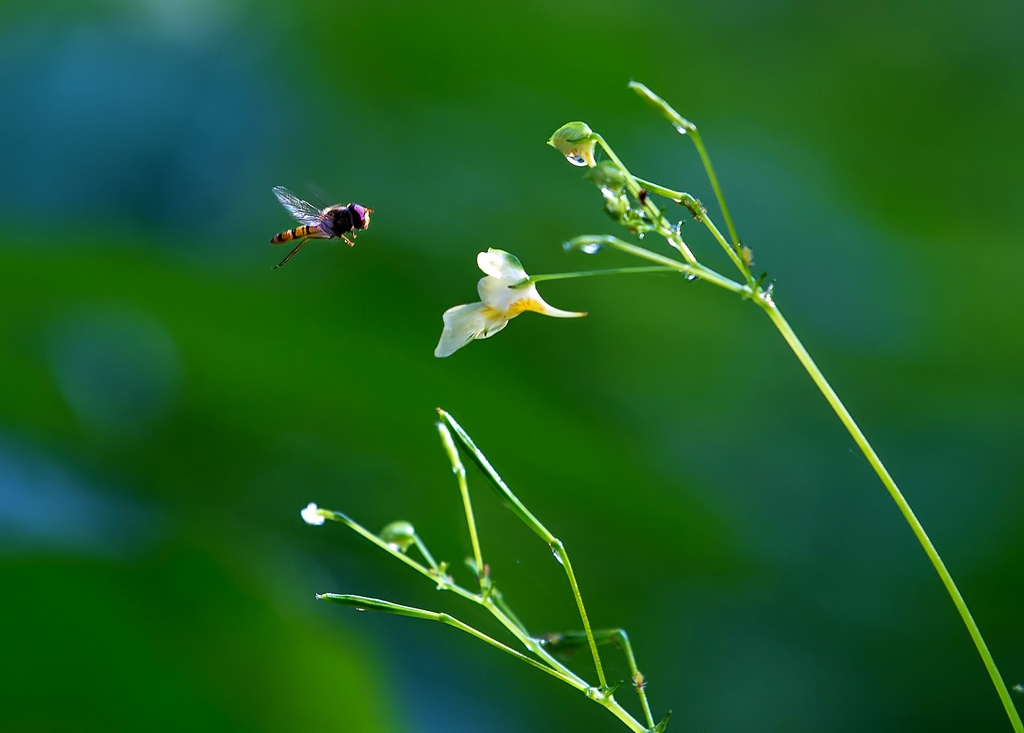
pixel 897 496
pixel 421 546
pixel 444 582
pixel 570 641
pixel 533 523
pixel 649 206
pixel 685 127
pixel 589 273
pixel 496 605
pixel 364 603
pixel 639 684
pixel 697 271
pixel 696 208
pixel 460 473
pixel 752 291
pixel 499 601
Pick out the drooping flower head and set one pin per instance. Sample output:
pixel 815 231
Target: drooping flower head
pixel 576 141
pixel 499 303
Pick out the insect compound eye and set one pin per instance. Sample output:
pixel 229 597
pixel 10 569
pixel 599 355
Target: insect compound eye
pixel 362 215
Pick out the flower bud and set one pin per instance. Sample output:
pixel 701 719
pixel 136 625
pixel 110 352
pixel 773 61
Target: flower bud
pixel 607 175
pixel 399 535
pixel 576 141
pixel 609 178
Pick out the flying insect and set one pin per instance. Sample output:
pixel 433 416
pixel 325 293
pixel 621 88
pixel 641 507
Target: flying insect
pixel 334 222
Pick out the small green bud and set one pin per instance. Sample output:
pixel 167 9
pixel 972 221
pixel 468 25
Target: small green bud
pixel 615 203
pixel 400 535
pixel 660 727
pixel 609 178
pixel 576 141
pixel 607 175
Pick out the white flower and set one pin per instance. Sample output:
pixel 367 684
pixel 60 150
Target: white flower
pixel 500 302
pixel 311 515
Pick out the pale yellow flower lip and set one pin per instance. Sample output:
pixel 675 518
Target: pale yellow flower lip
pixel 499 303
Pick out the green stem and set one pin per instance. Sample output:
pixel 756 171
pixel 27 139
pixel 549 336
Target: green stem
pixel 524 514
pixel 365 603
pixel 695 136
pixel 901 502
pixel 638 682
pixel 496 606
pixel 697 209
pixel 697 270
pixel 421 546
pixel 563 558
pixel 517 630
pixel 460 473
pixel 442 581
pixel 499 600
pixel 571 641
pixel 652 211
pixel 445 583
pixel 685 127
pixel 589 273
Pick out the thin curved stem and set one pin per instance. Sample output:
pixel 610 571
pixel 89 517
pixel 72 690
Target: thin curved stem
pixel 496 606
pixel 696 270
pixel 365 603
pixel 443 581
pixel 685 127
pixel 696 208
pixel 638 679
pixel 652 210
pixel 460 474
pixel 901 502
pixel 590 273
pixel 563 558
pixel 527 517
pixel 699 144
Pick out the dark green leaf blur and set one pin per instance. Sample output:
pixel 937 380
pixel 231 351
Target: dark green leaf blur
pixel 168 403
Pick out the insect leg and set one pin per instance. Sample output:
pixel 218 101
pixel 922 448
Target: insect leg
pixel 349 241
pixel 291 254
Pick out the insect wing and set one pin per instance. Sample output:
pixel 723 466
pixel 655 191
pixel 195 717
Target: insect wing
pixel 303 211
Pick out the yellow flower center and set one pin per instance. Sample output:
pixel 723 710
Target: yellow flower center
pixel 525 304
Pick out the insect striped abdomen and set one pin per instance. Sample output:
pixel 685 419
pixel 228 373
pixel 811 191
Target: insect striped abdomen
pixel 296 233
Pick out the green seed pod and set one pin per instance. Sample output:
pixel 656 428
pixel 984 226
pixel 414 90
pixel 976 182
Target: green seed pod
pixel 400 535
pixel 616 203
pixel 609 178
pixel 607 175
pixel 576 141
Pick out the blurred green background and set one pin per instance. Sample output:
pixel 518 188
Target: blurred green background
pixel 168 403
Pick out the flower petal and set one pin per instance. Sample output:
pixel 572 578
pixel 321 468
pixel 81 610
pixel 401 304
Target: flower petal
pixel 502 265
pixel 463 323
pixel 496 293
pixel 528 299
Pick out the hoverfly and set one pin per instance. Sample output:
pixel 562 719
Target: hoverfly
pixel 334 222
